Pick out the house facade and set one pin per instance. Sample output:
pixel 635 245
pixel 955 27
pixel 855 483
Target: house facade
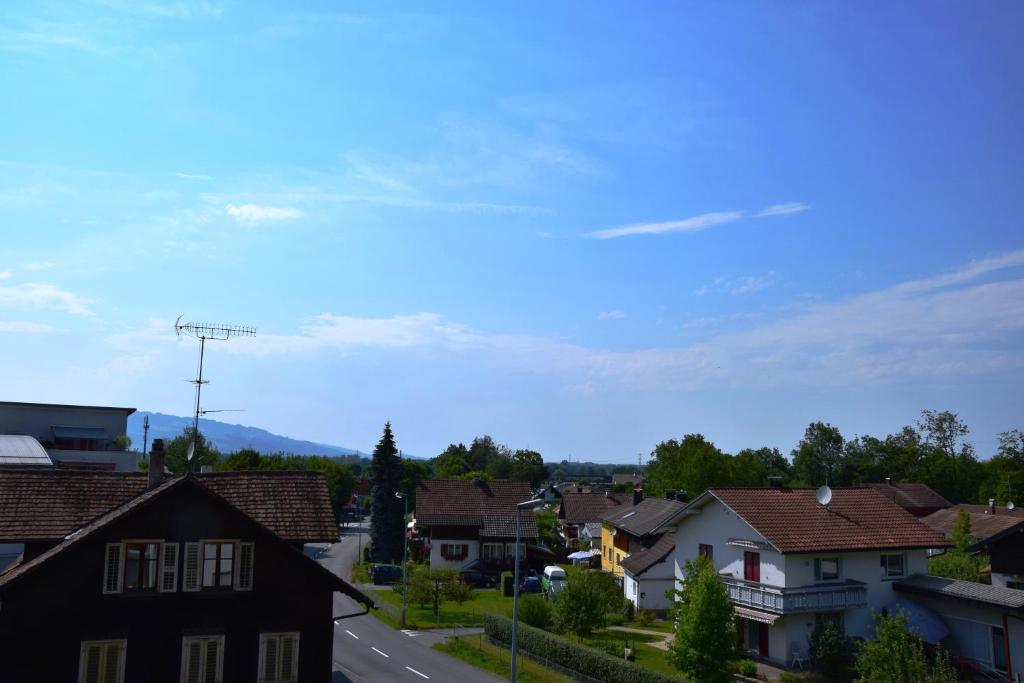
pixel 790 563
pixel 579 509
pixel 630 530
pixel 177 584
pixel 648 576
pixel 471 523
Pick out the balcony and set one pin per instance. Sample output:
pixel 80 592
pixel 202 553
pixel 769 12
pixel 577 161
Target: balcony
pixel 820 598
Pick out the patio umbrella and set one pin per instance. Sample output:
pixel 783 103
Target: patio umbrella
pixel 928 625
pixel 581 555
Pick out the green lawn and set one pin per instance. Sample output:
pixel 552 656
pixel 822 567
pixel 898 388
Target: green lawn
pixel 469 613
pixel 660 625
pixel 478 652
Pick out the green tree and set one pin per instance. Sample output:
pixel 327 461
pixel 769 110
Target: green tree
pixel 961 532
pixel 529 466
pixel 829 649
pixel 705 644
pixel 387 524
pixel 535 611
pixel 752 467
pixel 819 457
pixel 413 472
pixel 896 655
pixel 949 464
pixel 586 600
pixel 433 586
pixel 693 464
pixel 245 459
pixel 453 463
pixel 175 453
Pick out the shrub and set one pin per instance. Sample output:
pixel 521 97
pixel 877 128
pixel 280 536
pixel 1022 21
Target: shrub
pixel 534 611
pixel 628 609
pixel 570 655
pixel 896 655
pixel 644 617
pixel 747 668
pixel 829 649
pixel 589 600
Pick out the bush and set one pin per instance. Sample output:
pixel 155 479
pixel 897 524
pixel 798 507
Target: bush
pixel 790 677
pixel 628 609
pixel 644 617
pixel 746 668
pixel 572 656
pixel 534 611
pixel 829 649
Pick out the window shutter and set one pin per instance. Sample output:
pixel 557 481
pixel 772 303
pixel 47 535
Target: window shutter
pixel 244 567
pixel 168 567
pixel 210 668
pixel 112 569
pixel 91 664
pixel 112 665
pixel 193 658
pixel 289 658
pixel 191 569
pixel 270 659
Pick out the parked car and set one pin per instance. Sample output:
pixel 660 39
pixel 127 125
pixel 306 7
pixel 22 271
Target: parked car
pixel 531 584
pixel 477 579
pixel 385 574
pixel 554 579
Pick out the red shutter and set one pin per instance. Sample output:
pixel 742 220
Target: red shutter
pixel 752 566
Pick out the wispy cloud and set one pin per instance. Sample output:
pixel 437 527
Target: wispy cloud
pixel 43 296
pixel 37 266
pixel 6 275
pixel 693 224
pixel 17 326
pixel 611 315
pixel 251 214
pixel 783 209
pixel 193 176
pixel 736 286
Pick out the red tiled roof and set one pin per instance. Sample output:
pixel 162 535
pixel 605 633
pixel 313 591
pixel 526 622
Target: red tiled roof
pixel 580 508
pixel 485 504
pixel 47 505
pixel 855 519
pixel 984 525
pixel 912 496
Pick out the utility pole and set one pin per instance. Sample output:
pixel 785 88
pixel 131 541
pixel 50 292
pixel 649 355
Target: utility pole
pixel 405 554
pixel 145 434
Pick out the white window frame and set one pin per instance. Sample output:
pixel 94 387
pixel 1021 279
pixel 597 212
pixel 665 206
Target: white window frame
pixel 86 644
pixel 489 552
pixel 118 549
pixel 169 561
pixel 202 562
pixel 818 578
pixel 191 576
pixel 244 581
pixel 204 642
pixel 886 574
pixel 279 677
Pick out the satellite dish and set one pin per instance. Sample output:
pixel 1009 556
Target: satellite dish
pixel 824 495
pixel 191 451
pixel 1010 505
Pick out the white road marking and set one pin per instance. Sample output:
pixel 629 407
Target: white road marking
pixel 380 653
pixel 352 634
pixel 410 633
pixel 417 672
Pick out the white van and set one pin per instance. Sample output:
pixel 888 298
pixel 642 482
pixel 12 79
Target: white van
pixel 554 579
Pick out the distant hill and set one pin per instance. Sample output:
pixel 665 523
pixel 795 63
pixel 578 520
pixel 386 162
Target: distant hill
pixel 228 438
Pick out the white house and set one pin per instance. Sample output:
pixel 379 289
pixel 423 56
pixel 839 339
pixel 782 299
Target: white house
pixel 790 563
pixel 648 575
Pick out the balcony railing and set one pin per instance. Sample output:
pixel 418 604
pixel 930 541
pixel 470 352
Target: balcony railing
pixel 820 598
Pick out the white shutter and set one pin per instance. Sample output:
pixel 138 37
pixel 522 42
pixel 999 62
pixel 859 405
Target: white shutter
pixel 191 570
pixel 102 661
pixel 268 668
pixel 244 566
pixel 113 663
pixel 211 672
pixel 289 658
pixel 193 657
pixel 112 576
pixel 168 567
pixel 89 668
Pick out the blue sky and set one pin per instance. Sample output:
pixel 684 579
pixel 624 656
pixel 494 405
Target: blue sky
pixel 579 227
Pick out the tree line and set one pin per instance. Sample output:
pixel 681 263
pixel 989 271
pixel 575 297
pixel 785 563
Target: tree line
pixel 933 450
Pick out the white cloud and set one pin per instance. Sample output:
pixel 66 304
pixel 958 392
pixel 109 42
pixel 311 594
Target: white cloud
pixel 693 224
pixel 251 214
pixel 193 176
pixel 737 286
pixel 17 326
pixel 37 266
pixel 611 315
pixel 6 274
pixel 783 209
pixel 44 296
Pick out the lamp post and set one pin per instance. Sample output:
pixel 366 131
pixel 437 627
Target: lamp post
pixel 529 504
pixel 405 553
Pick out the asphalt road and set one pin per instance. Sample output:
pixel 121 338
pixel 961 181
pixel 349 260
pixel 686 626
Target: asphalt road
pixel 366 649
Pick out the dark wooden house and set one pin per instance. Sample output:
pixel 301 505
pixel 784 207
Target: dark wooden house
pixel 195 579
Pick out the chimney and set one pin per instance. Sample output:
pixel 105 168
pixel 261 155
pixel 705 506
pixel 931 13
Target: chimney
pixel 992 506
pixel 775 482
pixel 638 495
pixel 156 463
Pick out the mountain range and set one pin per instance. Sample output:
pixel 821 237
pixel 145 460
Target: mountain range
pixel 228 438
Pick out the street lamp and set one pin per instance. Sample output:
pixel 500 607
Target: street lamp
pixel 405 553
pixel 525 505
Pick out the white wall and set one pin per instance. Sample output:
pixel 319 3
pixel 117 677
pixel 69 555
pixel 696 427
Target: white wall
pixel 36 420
pixel 714 525
pixel 438 562
pixel 652 584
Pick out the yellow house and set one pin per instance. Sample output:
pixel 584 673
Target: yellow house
pixel 629 530
pixel 614 548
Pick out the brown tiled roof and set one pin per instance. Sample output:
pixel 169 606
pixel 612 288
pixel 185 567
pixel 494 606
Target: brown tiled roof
pixel 793 521
pixel 633 479
pixel 645 517
pixel 47 505
pixel 638 563
pixel 983 524
pixel 580 508
pixel 490 505
pixel 912 496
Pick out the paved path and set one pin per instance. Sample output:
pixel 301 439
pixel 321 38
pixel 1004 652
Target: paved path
pixel 666 638
pixel 366 649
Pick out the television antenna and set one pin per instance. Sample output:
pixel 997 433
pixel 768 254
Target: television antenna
pixel 203 332
pixel 823 495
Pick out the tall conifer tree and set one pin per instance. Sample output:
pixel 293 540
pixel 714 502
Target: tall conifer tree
pixel 386 523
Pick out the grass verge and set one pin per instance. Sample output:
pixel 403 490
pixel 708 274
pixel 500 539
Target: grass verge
pixel 469 613
pixel 477 652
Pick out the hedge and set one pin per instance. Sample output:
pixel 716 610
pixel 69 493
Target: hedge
pixel 570 655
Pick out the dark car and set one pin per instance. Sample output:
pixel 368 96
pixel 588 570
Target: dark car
pixel 477 579
pixel 385 574
pixel 531 584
